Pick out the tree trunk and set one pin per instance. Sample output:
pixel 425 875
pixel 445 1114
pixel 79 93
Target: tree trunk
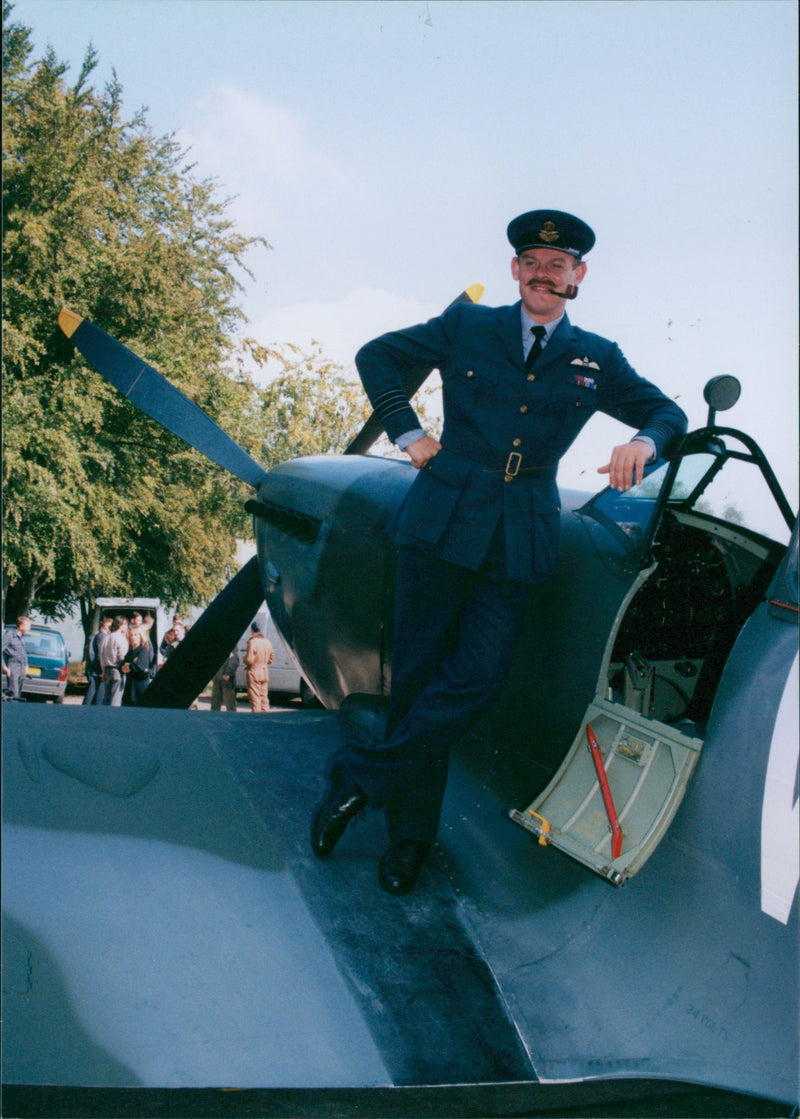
pixel 86 605
pixel 19 597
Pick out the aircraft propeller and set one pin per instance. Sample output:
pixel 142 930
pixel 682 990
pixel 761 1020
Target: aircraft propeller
pixel 212 637
pixel 153 394
pixel 209 641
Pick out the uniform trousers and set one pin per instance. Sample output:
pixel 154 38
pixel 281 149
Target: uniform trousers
pixel 455 635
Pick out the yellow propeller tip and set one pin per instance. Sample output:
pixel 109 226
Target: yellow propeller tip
pixel 475 292
pixel 69 321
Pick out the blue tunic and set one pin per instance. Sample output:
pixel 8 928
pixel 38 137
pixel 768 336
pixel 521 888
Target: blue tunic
pixel 500 419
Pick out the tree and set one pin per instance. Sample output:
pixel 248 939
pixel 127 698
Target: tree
pixel 315 406
pixel 310 407
pixel 102 216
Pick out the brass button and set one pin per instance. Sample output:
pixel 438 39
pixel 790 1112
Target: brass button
pixel 577 403
pixel 517 443
pixel 531 376
pixel 470 373
pixel 524 408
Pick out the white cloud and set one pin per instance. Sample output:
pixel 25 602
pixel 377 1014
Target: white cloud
pixel 262 152
pixel 340 326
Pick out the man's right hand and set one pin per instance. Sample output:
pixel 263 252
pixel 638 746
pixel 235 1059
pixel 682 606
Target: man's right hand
pixel 421 451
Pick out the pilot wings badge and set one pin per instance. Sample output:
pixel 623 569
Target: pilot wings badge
pixel 585 363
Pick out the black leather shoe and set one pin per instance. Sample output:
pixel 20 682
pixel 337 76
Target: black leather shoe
pixel 342 801
pixel 399 867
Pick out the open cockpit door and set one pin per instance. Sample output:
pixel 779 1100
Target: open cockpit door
pixel 625 774
pixel 646 766
pixel 698 571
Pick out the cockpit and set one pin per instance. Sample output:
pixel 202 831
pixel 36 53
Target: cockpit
pixel 696 572
pixel 702 576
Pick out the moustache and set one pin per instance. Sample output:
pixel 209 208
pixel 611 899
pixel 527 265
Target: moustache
pixel 570 291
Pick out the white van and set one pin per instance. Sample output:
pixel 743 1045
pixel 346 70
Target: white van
pixel 162 619
pixel 283 672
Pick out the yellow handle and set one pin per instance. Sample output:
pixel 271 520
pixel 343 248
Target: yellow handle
pixel 544 827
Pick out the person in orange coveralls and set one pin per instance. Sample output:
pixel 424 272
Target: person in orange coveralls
pixel 257 660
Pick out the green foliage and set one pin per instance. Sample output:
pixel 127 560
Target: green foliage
pixel 314 406
pixel 310 408
pixel 101 216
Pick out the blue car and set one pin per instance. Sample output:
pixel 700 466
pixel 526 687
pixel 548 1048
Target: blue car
pixel 48 663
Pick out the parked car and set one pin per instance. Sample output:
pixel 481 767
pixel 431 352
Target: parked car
pixel 48 663
pixel 284 675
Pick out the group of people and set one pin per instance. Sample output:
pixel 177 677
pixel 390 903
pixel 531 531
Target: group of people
pixel 121 660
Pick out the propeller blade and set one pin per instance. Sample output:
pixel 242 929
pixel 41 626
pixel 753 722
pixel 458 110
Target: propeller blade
pixel 209 641
pixel 153 394
pixel 412 379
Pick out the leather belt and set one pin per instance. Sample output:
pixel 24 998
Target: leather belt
pixel 514 466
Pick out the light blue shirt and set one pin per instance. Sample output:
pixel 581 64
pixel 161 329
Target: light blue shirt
pixel 528 335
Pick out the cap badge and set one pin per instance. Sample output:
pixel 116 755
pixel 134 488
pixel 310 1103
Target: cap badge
pixel 548 232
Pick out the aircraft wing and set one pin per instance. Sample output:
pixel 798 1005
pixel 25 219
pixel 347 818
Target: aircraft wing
pixel 167 930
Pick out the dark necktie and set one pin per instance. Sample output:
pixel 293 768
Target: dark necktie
pixel 539 333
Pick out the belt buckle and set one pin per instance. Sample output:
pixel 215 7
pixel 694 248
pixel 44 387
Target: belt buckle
pixel 513 464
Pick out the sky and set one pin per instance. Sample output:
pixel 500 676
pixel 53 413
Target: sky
pixel 381 148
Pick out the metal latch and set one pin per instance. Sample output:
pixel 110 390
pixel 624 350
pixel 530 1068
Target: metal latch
pixel 528 820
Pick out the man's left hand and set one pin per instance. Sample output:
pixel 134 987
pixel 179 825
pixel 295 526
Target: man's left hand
pixel 627 464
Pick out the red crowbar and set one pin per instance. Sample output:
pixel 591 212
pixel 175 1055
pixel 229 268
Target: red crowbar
pixel 608 800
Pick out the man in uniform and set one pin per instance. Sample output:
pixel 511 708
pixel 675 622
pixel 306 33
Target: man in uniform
pixel 480 523
pixel 15 656
pixel 257 659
